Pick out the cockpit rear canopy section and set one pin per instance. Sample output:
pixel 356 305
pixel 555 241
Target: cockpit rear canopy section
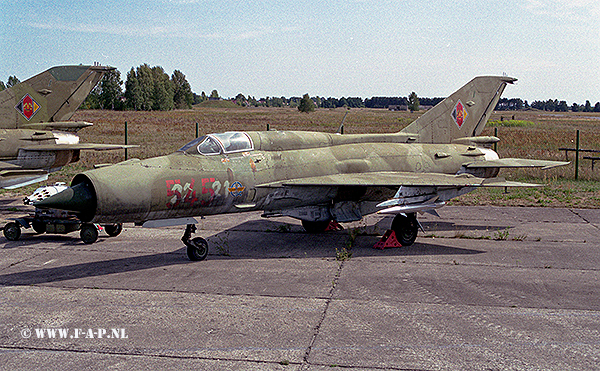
pixel 216 144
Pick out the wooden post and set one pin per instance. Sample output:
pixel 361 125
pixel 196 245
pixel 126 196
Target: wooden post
pixel 577 156
pixel 126 140
pixel 196 130
pixel 496 143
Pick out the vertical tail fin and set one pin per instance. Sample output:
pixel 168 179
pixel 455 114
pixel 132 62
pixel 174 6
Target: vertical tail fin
pixel 51 96
pixel 463 114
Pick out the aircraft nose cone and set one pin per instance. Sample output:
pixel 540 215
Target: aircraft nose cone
pixel 78 198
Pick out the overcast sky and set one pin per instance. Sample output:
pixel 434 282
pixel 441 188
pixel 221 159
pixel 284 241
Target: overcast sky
pixel 329 48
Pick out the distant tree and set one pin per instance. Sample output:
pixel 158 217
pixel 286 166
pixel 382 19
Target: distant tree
pixel 162 90
pixel 588 106
pixel 385 102
pixel 133 96
pixel 413 102
pixel 241 100
pixel 92 101
pixel 145 87
pixel 149 88
pixel 182 95
pixel 200 98
pixel 306 104
pixel 597 107
pixel 12 81
pixel 2 86
pixel 562 106
pixel 575 107
pixel 214 94
pixel 110 91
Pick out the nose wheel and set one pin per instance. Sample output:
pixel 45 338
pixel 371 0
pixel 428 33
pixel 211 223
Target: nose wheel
pixel 197 248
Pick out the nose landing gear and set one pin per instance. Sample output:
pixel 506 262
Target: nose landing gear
pixel 197 248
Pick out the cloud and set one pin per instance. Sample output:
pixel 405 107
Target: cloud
pixel 120 30
pixel 176 31
pixel 571 10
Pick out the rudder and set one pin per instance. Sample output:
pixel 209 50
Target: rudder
pixel 462 114
pixel 51 96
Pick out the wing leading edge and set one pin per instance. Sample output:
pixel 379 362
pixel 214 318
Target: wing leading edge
pixel 397 179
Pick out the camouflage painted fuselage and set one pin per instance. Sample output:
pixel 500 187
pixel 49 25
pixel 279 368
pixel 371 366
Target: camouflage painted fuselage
pixel 183 184
pixel 311 176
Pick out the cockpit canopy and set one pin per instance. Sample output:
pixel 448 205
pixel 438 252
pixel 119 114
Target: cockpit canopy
pixel 216 144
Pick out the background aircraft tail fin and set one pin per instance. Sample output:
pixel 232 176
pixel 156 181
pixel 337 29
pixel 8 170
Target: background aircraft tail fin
pixel 462 114
pixel 51 96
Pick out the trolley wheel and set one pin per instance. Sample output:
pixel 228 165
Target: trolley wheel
pixel 12 231
pixel 88 233
pixel 113 230
pixel 38 227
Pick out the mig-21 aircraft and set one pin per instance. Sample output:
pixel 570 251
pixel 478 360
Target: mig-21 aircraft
pixel 36 136
pixel 312 176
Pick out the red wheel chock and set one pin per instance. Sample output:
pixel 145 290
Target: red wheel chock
pixel 334 226
pixel 388 240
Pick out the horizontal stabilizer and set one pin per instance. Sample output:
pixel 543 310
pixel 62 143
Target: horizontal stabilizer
pixel 80 146
pixel 70 126
pixel 11 179
pixel 514 163
pixel 8 166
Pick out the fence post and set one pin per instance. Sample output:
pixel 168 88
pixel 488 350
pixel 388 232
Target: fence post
pixel 126 140
pixel 496 143
pixel 196 130
pixel 577 156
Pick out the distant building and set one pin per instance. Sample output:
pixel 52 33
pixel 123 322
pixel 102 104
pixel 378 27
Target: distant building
pixel 398 107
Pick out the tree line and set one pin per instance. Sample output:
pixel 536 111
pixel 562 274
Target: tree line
pixel 152 89
pixel 146 89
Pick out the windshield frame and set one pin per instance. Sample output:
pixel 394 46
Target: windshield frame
pixel 221 140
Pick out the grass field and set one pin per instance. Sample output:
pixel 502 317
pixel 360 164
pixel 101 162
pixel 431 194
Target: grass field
pixel 527 134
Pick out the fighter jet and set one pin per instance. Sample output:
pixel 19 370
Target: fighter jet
pixel 35 135
pixel 311 176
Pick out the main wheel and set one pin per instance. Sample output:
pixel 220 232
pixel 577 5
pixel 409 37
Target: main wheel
pixel 88 233
pixel 197 249
pixel 315 227
pixel 12 231
pixel 38 227
pixel 406 228
pixel 113 230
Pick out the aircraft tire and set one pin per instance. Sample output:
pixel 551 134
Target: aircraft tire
pixel 315 227
pixel 38 227
pixel 88 233
pixel 12 231
pixel 197 249
pixel 113 230
pixel 406 228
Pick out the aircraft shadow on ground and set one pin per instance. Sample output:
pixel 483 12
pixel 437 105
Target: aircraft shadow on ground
pixel 28 239
pixel 278 240
pixel 261 239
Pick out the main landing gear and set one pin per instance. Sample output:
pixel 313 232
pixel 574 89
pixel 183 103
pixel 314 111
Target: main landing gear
pixel 197 248
pixel 406 227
